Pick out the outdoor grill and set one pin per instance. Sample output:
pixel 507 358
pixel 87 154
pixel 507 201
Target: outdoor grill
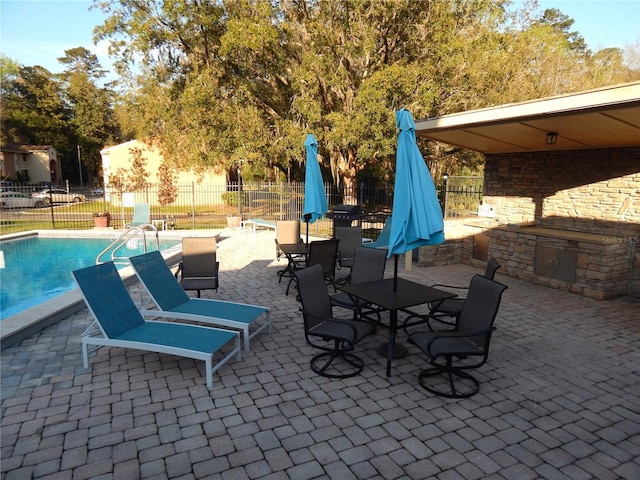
pixel 344 216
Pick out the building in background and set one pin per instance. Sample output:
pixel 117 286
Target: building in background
pixel 30 164
pixel 120 157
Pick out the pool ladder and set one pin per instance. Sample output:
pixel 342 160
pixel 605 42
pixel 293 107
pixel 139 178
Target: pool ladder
pixel 130 234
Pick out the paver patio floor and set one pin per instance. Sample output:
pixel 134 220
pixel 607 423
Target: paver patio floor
pixel 559 397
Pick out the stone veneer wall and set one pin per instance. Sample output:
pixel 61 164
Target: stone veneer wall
pixel 601 270
pixel 592 191
pixel 591 195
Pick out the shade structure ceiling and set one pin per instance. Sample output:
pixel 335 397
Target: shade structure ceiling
pixel 603 118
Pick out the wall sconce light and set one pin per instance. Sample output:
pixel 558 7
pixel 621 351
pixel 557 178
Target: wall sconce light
pixel 552 138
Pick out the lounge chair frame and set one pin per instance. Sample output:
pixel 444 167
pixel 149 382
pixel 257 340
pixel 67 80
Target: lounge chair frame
pixel 125 327
pixel 171 301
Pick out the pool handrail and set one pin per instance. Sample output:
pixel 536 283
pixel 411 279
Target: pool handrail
pixel 121 241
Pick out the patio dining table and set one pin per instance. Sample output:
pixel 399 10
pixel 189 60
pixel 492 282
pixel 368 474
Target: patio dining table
pixel 293 252
pixel 407 294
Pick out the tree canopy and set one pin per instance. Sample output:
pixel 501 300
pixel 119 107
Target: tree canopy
pixel 222 83
pixel 225 81
pixel 67 110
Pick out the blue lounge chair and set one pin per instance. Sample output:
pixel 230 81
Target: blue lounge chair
pixel 173 302
pixel 120 324
pixel 141 215
pixel 383 239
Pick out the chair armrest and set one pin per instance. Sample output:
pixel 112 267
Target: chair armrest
pixel 325 324
pixel 447 335
pixel 436 285
pixel 179 270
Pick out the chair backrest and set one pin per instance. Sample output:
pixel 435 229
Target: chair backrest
pixel 324 253
pixel 480 308
pixel 316 304
pixel 492 266
pixel 288 231
pixel 108 299
pixel 199 257
pixel 141 214
pixel 156 276
pixel 368 265
pixel 350 238
pixel 384 237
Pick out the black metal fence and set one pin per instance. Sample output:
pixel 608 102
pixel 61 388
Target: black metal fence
pixel 197 206
pixel 463 196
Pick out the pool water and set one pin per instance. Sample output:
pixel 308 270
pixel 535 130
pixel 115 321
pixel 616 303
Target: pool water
pixel 37 269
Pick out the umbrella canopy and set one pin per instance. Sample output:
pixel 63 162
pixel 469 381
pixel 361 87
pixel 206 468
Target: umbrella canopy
pixel 315 200
pixel 417 216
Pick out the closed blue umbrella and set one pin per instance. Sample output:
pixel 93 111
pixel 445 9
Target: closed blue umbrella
pixel 315 199
pixel 417 216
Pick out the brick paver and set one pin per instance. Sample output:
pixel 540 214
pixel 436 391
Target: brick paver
pixel 559 397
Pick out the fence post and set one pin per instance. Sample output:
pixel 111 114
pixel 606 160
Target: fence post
pixel 193 206
pixel 445 179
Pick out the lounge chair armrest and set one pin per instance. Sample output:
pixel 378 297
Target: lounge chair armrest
pixel 179 270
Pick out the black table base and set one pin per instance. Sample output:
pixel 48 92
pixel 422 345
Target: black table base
pixel 399 350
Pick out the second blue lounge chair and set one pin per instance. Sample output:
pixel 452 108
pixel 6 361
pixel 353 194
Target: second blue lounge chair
pixel 383 239
pixel 173 302
pixel 120 324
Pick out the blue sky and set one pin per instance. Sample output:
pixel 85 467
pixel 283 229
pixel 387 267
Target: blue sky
pixel 37 32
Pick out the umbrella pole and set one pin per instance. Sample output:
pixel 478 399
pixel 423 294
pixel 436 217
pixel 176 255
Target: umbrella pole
pixel 395 272
pixel 307 217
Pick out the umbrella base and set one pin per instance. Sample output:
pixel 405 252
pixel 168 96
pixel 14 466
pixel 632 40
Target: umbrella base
pixel 399 350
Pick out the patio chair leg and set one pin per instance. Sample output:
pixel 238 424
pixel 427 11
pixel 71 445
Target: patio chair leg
pixel 289 284
pixel 456 389
pixel 326 359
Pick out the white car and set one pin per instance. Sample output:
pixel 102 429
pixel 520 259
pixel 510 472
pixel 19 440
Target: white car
pixel 19 200
pixel 59 195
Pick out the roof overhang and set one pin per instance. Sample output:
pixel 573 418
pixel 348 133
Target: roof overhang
pixel 603 118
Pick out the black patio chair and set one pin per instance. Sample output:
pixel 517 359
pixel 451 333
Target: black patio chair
pixel 447 311
pixel 451 353
pixel 335 337
pixel 350 238
pixel 368 266
pixel 323 253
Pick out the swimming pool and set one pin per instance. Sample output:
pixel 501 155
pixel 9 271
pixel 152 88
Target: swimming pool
pixel 37 269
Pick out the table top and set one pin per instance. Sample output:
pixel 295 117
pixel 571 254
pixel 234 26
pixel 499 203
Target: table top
pixel 408 293
pixel 292 248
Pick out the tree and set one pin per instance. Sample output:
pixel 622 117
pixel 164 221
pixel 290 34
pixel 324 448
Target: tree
pixel 221 82
pixel 561 24
pixel 34 112
pixel 167 191
pixel 91 107
pixel 67 110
